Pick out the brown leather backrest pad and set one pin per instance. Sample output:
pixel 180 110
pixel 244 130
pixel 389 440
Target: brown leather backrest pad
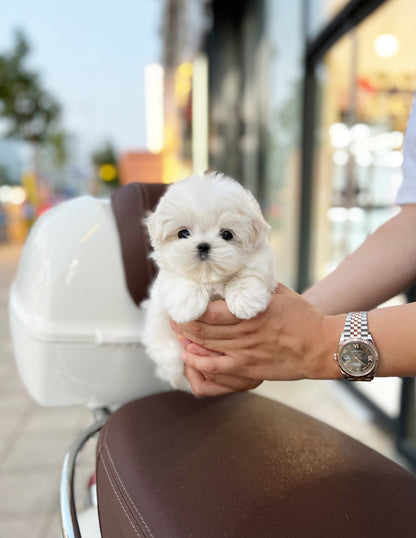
pixel 242 466
pixel 131 204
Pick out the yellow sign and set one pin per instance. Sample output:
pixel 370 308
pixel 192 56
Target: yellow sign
pixel 107 172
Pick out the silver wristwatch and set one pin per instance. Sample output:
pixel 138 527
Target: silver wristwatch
pixel 357 355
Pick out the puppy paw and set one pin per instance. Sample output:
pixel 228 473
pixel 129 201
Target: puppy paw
pixel 174 375
pixel 188 305
pixel 245 302
pixel 163 349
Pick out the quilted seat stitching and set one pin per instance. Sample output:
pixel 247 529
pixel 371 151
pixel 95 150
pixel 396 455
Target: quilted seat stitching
pixel 107 451
pixel 118 497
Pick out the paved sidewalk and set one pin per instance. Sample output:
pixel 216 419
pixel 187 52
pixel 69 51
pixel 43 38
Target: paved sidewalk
pixel 34 440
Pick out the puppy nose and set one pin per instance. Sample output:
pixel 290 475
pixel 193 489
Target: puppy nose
pixel 203 248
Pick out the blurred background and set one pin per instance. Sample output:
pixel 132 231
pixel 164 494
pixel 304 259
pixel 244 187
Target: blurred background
pixel 305 102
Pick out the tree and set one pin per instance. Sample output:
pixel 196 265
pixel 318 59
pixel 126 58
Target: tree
pixel 5 176
pixel 30 111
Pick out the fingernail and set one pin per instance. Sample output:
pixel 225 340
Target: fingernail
pixel 182 340
pixel 174 325
pixel 184 356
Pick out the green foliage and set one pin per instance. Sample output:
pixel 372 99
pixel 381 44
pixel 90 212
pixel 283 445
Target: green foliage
pixel 31 111
pixel 57 141
pixel 5 176
pixel 105 155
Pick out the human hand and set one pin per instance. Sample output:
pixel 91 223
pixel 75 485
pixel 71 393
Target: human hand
pixel 206 384
pixel 289 340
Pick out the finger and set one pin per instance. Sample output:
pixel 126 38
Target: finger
pixel 281 289
pixel 216 337
pixel 195 348
pixel 202 386
pixel 174 325
pixel 206 333
pixel 217 313
pixel 217 364
pixel 214 328
pixel 237 384
pixel 183 341
pixel 199 350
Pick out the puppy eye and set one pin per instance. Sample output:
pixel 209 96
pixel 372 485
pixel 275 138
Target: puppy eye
pixel 226 235
pixel 183 234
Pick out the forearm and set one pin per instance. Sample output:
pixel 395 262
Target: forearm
pixel 393 331
pixel 383 266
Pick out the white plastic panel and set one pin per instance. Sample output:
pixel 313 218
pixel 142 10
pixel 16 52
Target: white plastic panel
pixel 75 328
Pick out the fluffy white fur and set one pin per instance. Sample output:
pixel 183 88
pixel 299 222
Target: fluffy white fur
pixel 204 263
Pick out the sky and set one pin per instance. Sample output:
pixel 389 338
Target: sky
pixel 91 56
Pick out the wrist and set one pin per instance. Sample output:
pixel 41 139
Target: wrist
pixel 331 329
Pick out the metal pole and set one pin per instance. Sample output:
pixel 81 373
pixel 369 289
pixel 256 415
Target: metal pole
pixel 69 520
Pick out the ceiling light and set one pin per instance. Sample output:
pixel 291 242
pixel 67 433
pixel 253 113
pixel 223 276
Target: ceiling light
pixel 386 45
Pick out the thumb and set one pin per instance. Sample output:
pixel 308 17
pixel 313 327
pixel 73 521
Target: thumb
pixel 281 289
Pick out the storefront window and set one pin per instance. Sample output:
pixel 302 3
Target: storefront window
pixel 367 81
pixel 321 12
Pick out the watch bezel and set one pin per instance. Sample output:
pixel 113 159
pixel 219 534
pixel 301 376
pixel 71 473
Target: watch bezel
pixel 358 340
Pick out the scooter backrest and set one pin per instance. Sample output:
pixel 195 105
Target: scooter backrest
pixel 131 204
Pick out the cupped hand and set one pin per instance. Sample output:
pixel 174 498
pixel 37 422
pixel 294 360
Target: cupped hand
pixel 207 384
pixel 290 340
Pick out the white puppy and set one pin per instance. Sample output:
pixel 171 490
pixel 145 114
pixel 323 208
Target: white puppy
pixel 210 241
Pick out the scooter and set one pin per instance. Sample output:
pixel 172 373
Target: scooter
pixel 168 464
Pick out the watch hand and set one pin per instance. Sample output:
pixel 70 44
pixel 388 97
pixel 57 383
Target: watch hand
pixel 362 362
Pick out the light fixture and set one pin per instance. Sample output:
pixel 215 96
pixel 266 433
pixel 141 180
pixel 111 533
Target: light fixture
pixel 340 135
pixel 386 45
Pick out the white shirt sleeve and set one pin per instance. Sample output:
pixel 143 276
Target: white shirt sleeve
pixel 407 191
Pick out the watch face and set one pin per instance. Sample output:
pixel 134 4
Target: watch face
pixel 357 357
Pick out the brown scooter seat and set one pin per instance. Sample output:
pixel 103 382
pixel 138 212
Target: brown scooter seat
pixel 243 466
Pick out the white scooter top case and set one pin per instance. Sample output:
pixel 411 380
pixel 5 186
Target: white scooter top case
pixel 75 327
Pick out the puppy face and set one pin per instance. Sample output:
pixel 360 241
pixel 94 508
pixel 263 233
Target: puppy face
pixel 204 228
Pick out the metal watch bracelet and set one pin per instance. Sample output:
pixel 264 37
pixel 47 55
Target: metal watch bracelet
pixel 356 326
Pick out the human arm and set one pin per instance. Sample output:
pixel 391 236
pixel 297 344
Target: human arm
pixel 384 265
pixel 291 340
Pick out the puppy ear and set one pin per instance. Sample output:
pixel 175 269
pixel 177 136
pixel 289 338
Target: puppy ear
pixel 261 228
pixel 153 228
